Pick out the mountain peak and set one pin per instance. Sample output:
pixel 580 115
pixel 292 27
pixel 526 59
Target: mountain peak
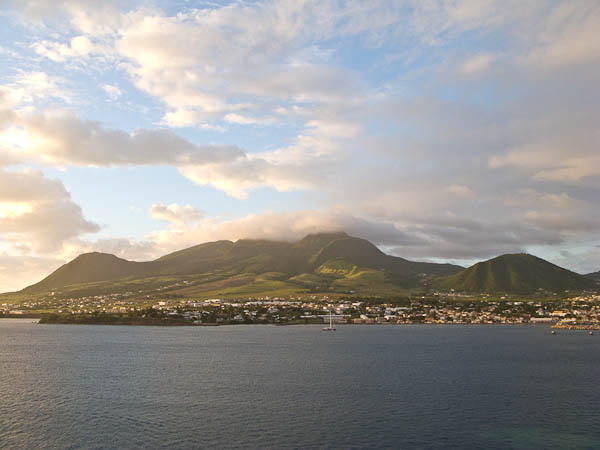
pixel 327 234
pixel 226 263
pixel 519 273
pixel 95 255
pixel 316 241
pixel 88 268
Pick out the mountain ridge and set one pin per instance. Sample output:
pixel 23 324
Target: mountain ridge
pixel 519 273
pixel 243 257
pixel 321 262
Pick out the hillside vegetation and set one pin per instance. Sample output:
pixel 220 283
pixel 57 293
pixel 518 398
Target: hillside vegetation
pixel 328 262
pixel 515 273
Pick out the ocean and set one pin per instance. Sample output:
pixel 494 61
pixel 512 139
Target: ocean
pixel 296 387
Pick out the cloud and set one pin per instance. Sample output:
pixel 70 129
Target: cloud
pixel 476 64
pixel 561 163
pixel 558 220
pixel 431 238
pixel 568 36
pixel 130 249
pixel 19 271
pixel 247 120
pixel 231 63
pixel 29 88
pixel 87 16
pixel 113 92
pixel 460 190
pixel 572 170
pixel 38 213
pixel 586 261
pixel 420 238
pixel 175 214
pixel 466 128
pixel 79 47
pixel 460 238
pixel 290 226
pixel 60 138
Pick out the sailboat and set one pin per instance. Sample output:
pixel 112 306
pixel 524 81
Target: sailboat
pixel 330 327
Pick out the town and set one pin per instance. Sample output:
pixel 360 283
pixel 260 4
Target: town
pixel 437 308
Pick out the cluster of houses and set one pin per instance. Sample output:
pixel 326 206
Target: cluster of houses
pixel 313 309
pixel 428 311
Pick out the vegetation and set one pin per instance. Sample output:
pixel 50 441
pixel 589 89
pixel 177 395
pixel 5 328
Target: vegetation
pixel 332 263
pixel 516 273
pixel 111 319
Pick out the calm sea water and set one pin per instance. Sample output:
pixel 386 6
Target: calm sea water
pixel 402 387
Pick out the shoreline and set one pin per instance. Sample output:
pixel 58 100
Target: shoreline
pixel 174 323
pixel 49 319
pixel 22 316
pixel 579 327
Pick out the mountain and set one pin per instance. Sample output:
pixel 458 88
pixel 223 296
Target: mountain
pixel 594 275
pixel 331 262
pixel 318 263
pixel 519 273
pixel 89 268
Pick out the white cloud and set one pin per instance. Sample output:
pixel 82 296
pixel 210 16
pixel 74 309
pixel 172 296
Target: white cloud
pixel 19 271
pixel 233 63
pixel 460 190
pixel 413 145
pixel 275 226
pixel 477 64
pixel 59 138
pixel 569 35
pixel 177 215
pixel 79 47
pixel 131 249
pixel 28 88
pixel 113 92
pixel 38 212
pixel 86 16
pixel 553 162
pixel 572 170
pixel 247 120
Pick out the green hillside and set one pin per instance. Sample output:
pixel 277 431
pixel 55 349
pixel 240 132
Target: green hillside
pixel 90 268
pixel 515 273
pixel 318 262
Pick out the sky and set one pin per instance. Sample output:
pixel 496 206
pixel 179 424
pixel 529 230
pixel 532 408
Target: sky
pixel 452 130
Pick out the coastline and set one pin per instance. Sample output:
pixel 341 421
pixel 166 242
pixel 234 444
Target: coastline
pixel 55 319
pixel 78 320
pixel 22 316
pixel 581 327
